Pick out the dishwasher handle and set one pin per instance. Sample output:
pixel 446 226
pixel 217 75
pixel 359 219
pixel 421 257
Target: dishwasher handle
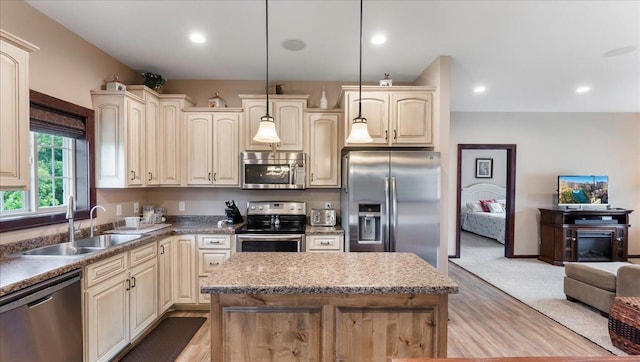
pixel 37 294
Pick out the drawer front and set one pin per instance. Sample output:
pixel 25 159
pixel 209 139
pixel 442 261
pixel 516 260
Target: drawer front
pixel 143 253
pixel 214 241
pixel 209 260
pixel 324 242
pixel 105 269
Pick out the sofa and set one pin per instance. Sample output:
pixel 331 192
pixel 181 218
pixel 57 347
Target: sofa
pixel 597 284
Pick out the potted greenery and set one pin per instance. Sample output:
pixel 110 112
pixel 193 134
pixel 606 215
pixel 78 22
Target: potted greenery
pixel 153 81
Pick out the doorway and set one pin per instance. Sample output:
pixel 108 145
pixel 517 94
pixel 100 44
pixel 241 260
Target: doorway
pixel 510 193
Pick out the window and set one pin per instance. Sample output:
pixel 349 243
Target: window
pixel 62 165
pixel 52 180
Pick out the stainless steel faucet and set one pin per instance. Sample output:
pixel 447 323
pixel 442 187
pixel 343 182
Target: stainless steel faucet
pixel 70 207
pixel 91 227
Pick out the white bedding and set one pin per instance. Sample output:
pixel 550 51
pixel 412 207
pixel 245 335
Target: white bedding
pixel 487 224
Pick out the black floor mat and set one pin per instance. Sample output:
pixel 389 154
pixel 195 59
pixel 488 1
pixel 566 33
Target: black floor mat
pixel 166 341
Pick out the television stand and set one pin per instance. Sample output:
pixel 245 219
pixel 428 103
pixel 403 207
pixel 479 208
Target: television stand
pixel 583 235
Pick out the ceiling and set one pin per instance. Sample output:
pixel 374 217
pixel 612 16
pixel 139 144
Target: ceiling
pixel 530 55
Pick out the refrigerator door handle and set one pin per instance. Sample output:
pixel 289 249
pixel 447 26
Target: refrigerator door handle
pixel 387 241
pixel 394 214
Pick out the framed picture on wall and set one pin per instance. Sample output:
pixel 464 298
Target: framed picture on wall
pixel 484 167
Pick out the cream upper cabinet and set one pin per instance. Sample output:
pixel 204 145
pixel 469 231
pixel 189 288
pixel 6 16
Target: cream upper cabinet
pixel 226 149
pixel 14 111
pixel 396 116
pixel 119 127
pixel 212 143
pixel 288 113
pixel 199 145
pixel 322 151
pixel 152 132
pixel 170 139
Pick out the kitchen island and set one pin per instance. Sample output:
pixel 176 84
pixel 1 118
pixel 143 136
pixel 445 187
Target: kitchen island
pixel 327 307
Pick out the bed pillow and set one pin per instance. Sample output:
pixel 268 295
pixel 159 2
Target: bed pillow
pixel 485 204
pixel 502 203
pixel 495 207
pixel 474 206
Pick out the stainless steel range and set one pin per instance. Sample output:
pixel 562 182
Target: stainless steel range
pixel 273 226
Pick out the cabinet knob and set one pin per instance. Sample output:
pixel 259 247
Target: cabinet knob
pixel 133 175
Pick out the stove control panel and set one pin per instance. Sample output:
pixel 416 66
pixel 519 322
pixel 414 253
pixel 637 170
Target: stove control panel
pixel 276 208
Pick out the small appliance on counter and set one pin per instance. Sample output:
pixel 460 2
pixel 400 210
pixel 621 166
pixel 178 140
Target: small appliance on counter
pixel 323 217
pixel 233 213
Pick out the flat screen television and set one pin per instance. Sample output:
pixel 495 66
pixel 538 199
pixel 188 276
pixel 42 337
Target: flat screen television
pixel 583 190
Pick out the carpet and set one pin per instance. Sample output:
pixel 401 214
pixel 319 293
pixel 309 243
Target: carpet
pixel 535 283
pixel 166 341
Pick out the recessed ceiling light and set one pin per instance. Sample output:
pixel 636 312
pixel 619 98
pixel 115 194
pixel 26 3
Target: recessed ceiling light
pixel 620 51
pixel 197 38
pixel 294 44
pixel 583 89
pixel 378 39
pixel 479 89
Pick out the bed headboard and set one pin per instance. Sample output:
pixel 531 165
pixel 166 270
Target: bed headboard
pixel 482 191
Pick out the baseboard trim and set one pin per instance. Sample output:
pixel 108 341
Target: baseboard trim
pixel 513 257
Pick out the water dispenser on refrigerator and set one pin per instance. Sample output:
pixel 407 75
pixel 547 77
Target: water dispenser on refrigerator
pixel 369 226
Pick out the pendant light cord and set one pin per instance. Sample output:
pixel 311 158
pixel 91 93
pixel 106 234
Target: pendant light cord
pixel 360 80
pixel 267 42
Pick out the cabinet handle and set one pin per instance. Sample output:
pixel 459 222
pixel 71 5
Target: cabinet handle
pixel 312 176
pixel 395 134
pixel 215 176
pixel 386 135
pixel 217 242
pixel 133 175
pixel 150 176
pixel 214 264
pixel 161 249
pixel 325 243
pixel 209 176
pixel 133 282
pixel 128 285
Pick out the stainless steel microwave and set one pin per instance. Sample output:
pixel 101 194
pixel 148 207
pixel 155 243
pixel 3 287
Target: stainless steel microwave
pixel 273 170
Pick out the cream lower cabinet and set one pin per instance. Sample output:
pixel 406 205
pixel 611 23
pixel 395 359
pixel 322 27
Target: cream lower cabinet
pixel 212 148
pixel 120 301
pixel 326 243
pixel 322 152
pixel 396 116
pixel 184 269
pixel 288 113
pixel 213 250
pixel 165 274
pixel 14 111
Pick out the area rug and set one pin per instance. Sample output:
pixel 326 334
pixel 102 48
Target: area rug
pixel 535 283
pixel 166 341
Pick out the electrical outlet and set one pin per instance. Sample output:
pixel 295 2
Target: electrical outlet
pixel 136 207
pixel 118 210
pixel 327 205
pixel 181 206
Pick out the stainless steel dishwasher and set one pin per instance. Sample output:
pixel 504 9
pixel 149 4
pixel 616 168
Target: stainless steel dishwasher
pixel 43 322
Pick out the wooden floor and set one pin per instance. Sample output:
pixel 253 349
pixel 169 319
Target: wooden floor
pixel 483 322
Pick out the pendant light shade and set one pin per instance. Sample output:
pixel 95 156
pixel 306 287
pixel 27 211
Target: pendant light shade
pixel 267 131
pixel 359 132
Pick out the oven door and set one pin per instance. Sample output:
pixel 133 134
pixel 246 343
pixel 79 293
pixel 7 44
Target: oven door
pixel 270 242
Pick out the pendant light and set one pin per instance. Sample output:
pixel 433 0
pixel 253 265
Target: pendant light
pixel 359 132
pixel 267 131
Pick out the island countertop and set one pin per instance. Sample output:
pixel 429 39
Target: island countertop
pixel 327 273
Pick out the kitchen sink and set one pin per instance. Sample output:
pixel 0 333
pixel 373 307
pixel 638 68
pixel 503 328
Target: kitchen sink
pixel 81 247
pixel 105 241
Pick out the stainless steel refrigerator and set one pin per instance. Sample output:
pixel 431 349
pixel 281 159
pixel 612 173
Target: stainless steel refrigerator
pixel 390 201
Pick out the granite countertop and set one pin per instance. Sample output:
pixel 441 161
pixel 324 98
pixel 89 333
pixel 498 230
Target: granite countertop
pixel 18 272
pixel 327 273
pixel 324 230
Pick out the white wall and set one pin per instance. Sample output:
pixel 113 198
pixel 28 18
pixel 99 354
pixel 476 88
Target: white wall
pixel 469 167
pixel 549 144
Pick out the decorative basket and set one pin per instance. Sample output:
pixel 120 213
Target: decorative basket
pixel 624 324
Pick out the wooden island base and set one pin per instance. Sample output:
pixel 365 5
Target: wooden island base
pixel 327 327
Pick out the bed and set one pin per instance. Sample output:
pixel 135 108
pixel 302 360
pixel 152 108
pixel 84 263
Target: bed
pixel 488 221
